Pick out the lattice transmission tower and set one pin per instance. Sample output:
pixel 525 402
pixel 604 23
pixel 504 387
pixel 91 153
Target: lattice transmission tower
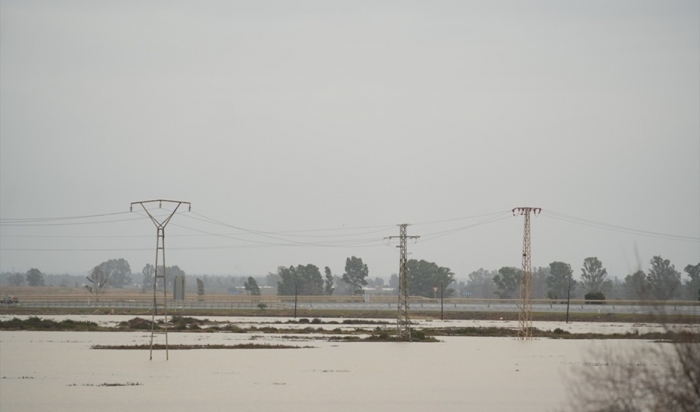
pixel 159 269
pixel 525 316
pixel 403 319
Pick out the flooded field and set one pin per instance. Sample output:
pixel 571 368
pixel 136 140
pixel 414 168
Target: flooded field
pixel 58 371
pixel 573 327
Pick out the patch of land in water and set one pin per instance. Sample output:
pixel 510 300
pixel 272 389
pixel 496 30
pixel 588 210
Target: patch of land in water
pixel 609 317
pixel 189 347
pixel 378 331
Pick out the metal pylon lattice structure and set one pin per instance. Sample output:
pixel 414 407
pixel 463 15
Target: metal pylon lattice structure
pixel 159 268
pixel 525 316
pixel 403 319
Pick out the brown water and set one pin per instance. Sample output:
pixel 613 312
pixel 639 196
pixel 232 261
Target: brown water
pixel 39 371
pixel 244 322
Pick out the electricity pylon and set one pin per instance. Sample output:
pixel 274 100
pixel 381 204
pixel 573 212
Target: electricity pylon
pixel 525 316
pixel 403 319
pixel 159 270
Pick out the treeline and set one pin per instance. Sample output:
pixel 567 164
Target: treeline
pixel 428 279
pixel 424 279
pixel 113 273
pixel 661 282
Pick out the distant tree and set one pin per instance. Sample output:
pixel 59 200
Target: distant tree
pixel 118 272
pixel 271 279
pixel 594 276
pixel 480 284
pixel 16 279
pixel 171 272
pixel 394 281
pixel 35 277
pixel 355 274
pixel 664 280
pixel 98 279
pixel 377 282
pixel 147 282
pixel 594 296
pixel 615 289
pixel 539 282
pixel 252 286
pixel 200 287
pixel 341 288
pixel 307 280
pixel 424 276
pixel 461 288
pixel 560 277
pixel 693 285
pixel 636 286
pixel 693 271
pixel 508 281
pixel 328 284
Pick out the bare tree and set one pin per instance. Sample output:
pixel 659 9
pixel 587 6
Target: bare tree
pixel 16 279
pixel 98 279
pixel 147 272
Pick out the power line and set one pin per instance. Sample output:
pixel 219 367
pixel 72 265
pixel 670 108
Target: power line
pixel 286 232
pixel 460 218
pixel 31 219
pixel 338 237
pixel 262 234
pixel 222 247
pixel 220 223
pixel 12 224
pixel 451 231
pixel 285 242
pixel 616 228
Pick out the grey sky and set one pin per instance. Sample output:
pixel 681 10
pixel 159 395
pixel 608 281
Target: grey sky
pixel 277 116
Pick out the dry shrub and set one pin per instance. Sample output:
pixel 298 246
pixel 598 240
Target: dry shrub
pixel 653 376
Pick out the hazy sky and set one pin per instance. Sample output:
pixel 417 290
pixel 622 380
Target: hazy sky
pixel 351 117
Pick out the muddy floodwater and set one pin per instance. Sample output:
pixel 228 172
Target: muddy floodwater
pixel 58 371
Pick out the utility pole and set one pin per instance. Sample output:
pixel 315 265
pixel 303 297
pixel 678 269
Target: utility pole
pixel 159 270
pixel 525 316
pixel 568 300
pixel 403 320
pixel 442 307
pixel 295 298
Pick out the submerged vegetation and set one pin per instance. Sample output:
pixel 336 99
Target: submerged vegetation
pixel 106 384
pixel 360 332
pixel 35 323
pixel 416 336
pixel 213 346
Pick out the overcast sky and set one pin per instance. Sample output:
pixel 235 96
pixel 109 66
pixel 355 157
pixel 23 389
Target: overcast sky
pixel 335 121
